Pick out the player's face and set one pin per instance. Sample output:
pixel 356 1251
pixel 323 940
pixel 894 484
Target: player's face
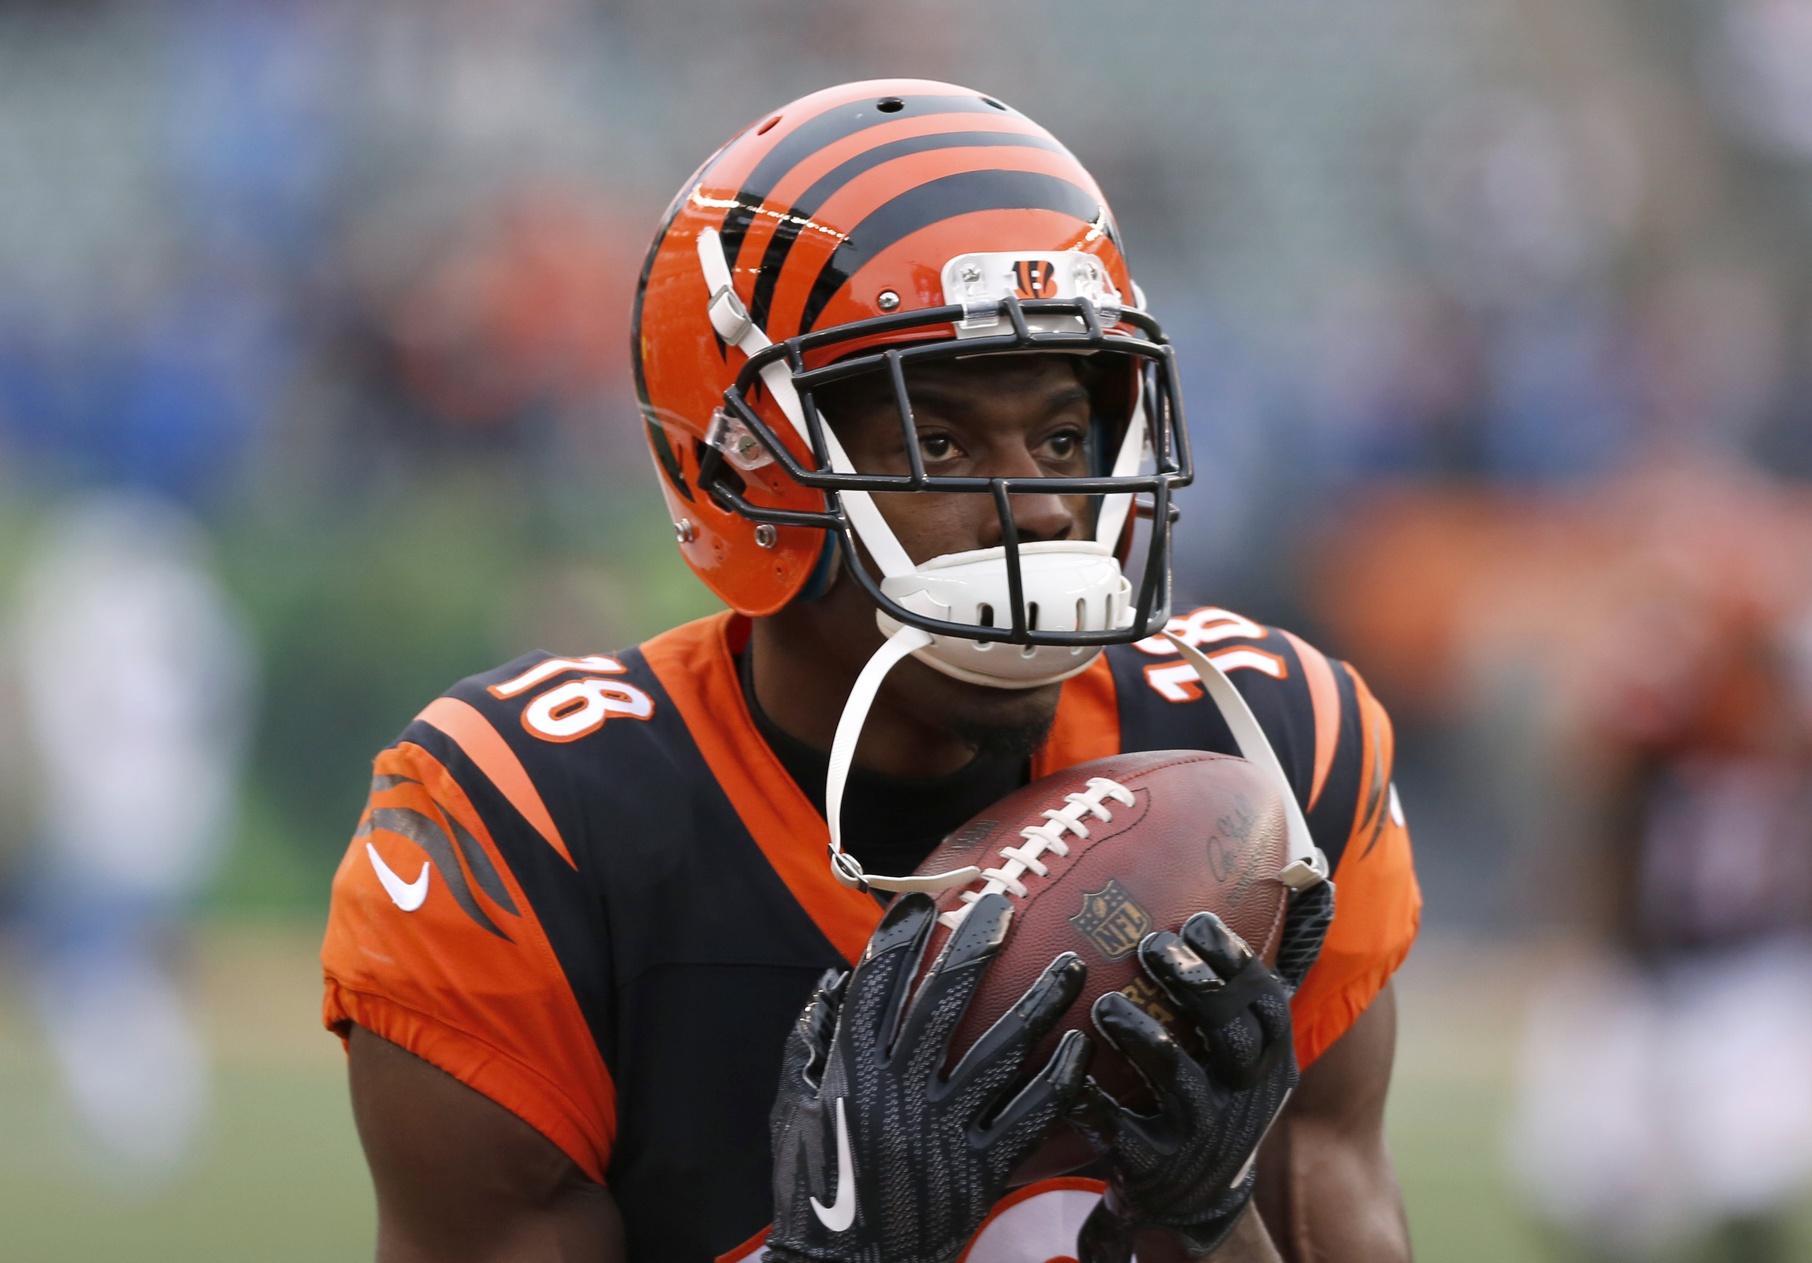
pixel 1022 417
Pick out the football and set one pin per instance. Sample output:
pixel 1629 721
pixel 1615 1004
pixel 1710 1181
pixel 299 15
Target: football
pixel 1096 857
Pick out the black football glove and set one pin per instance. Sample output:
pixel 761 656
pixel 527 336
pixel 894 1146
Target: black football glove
pixel 878 1157
pixel 1188 1168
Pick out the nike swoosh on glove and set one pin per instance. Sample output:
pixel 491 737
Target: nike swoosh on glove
pixel 879 1157
pixel 1188 1169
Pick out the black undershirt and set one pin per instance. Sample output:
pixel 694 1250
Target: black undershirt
pixel 890 823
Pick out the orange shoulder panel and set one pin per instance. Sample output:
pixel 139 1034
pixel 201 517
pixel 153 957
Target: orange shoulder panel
pixel 695 666
pixel 1324 698
pixel 1088 722
pixel 459 976
pixel 1377 902
pixel 482 743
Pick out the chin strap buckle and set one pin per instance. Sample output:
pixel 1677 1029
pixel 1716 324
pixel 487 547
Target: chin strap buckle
pixel 848 871
pixel 1302 874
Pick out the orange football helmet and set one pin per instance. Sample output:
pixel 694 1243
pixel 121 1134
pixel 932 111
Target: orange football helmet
pixel 866 229
pixel 841 221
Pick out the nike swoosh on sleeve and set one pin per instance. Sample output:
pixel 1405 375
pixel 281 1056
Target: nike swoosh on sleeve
pixel 429 834
pixel 407 895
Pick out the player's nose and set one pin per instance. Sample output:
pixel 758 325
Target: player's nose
pixel 1035 518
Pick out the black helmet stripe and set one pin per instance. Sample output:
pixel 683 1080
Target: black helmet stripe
pixel 940 199
pixel 815 133
pixel 781 243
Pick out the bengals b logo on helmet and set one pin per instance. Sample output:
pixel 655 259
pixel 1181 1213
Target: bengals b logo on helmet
pixel 1035 278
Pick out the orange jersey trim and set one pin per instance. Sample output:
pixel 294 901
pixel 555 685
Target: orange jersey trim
pixel 1087 724
pixel 510 1081
pixel 1377 901
pixel 696 667
pixel 485 746
pixel 505 1020
pixel 748 1249
pixel 1379 757
pixel 1324 697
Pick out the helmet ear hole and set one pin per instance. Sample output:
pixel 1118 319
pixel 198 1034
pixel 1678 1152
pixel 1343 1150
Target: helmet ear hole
pixel 824 571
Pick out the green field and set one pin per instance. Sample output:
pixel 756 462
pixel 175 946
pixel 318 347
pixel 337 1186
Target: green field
pixel 280 1177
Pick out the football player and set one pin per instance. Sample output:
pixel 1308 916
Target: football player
pixel 604 996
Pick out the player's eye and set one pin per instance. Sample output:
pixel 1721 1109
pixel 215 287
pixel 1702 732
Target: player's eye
pixel 1063 446
pixel 936 448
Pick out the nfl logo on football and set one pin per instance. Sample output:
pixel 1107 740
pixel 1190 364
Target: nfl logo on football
pixel 1112 921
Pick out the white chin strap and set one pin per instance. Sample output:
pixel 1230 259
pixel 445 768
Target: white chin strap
pixel 1306 864
pixel 843 749
pixel 1066 585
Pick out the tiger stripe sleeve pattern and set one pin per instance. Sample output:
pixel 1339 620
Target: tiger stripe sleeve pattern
pixel 434 944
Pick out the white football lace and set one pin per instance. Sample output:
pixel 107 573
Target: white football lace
pixel 1040 838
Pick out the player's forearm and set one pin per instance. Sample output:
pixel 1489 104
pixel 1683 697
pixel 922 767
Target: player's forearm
pixel 1326 1184
pixel 1360 1220
pixel 1331 1196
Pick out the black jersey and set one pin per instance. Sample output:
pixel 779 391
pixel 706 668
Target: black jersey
pixel 589 889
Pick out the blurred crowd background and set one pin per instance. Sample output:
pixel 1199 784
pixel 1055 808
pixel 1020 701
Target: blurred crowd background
pixel 1495 319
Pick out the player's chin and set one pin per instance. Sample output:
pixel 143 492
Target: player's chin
pixel 1010 723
